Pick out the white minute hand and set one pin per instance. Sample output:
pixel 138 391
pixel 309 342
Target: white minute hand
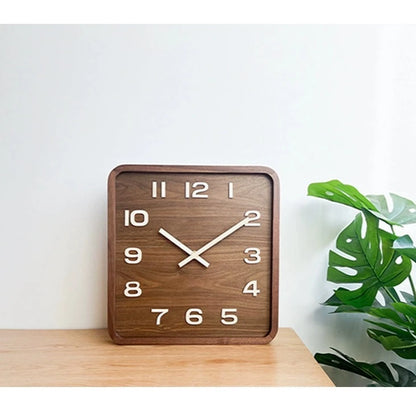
pixel 216 240
pixel 182 246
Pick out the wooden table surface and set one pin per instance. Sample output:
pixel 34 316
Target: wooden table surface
pixel 89 358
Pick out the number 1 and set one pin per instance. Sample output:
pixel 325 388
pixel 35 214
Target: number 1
pixel 230 190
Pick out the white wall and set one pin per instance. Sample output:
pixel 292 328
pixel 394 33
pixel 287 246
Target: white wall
pixel 312 102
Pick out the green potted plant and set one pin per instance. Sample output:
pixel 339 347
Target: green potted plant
pixel 369 252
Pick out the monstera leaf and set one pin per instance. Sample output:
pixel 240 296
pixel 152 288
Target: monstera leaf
pixel 375 262
pixel 341 193
pixel 379 372
pixel 404 245
pixel 403 344
pixel 399 335
pixel 368 260
pixel 403 210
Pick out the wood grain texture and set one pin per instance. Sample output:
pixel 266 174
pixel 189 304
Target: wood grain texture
pixel 90 358
pixel 194 221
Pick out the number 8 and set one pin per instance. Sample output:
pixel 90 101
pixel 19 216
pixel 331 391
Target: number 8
pixel 132 290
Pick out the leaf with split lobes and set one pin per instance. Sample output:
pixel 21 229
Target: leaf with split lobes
pixel 405 246
pixel 403 210
pixel 369 261
pixel 400 339
pixel 398 315
pixel 408 297
pixel 336 191
pixel 403 345
pixel 406 309
pixel 377 372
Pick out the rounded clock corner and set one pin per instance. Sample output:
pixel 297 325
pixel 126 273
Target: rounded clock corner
pixel 116 171
pixel 271 173
pixel 271 335
pixel 115 337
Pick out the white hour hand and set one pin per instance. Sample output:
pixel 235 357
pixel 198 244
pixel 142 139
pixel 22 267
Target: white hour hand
pixel 215 241
pixel 182 246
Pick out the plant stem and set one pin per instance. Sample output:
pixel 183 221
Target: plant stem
pixel 413 287
pixel 393 298
pixel 410 277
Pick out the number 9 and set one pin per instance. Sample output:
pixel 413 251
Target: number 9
pixel 133 255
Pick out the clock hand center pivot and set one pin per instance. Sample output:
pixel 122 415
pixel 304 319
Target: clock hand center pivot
pixel 182 246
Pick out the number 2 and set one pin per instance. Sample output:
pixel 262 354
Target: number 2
pixel 253 215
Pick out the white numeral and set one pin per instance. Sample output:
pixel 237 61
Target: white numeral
pixel 162 189
pixel 230 190
pixel 251 288
pixel 254 215
pixel 193 316
pixel 133 255
pixel 161 312
pixel 132 290
pixel 197 193
pixel 228 317
pixel 253 255
pixel 131 218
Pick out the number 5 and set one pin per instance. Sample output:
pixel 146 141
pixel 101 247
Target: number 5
pixel 228 317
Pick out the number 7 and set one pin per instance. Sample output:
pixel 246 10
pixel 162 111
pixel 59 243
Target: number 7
pixel 161 312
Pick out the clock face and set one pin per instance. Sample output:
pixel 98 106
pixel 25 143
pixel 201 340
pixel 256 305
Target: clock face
pixel 193 254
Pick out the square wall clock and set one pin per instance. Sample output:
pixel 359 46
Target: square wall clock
pixel 193 254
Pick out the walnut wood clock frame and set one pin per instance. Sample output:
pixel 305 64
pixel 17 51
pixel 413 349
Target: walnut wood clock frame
pixel 274 254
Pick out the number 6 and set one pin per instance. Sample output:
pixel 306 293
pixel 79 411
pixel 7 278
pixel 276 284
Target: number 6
pixel 193 316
